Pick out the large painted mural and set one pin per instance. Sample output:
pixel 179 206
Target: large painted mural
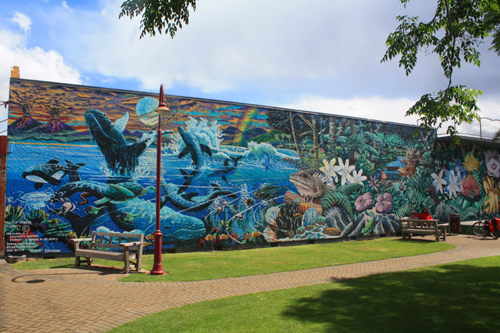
pixel 233 175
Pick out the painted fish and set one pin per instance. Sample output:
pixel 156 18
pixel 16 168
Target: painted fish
pixel 256 233
pixel 128 217
pixel 211 238
pixel 91 210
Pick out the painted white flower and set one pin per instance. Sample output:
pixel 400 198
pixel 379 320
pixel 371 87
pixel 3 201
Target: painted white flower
pixel 493 167
pixel 344 170
pixel 329 169
pixel 356 178
pixel 454 185
pixel 439 181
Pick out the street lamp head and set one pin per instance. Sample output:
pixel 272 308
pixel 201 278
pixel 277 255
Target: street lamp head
pixel 162 108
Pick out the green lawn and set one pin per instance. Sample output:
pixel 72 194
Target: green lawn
pixel 222 264
pixel 457 297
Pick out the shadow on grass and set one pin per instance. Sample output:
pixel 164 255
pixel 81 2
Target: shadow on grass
pixel 453 298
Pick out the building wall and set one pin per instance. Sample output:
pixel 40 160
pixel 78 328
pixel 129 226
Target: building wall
pixel 233 175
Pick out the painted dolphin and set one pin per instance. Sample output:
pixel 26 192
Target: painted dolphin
pixel 52 172
pixel 120 157
pixel 223 172
pixel 191 202
pixel 226 169
pixel 193 147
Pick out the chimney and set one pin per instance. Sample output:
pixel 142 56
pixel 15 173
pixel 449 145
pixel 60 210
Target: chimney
pixel 15 72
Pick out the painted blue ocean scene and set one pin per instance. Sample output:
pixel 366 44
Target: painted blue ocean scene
pixel 235 172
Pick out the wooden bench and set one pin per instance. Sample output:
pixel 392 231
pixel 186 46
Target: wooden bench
pixel 415 226
pixel 112 246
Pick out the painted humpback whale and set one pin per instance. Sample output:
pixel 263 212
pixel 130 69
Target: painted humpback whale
pixel 193 147
pixel 52 172
pixel 121 158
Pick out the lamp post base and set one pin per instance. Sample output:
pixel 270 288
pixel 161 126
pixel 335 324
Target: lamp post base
pixel 157 268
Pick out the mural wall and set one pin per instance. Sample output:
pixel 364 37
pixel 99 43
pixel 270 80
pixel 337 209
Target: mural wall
pixel 84 159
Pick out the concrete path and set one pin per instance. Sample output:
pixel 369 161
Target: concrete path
pixel 89 300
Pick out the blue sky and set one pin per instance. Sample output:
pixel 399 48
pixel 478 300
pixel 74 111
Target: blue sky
pixel 315 55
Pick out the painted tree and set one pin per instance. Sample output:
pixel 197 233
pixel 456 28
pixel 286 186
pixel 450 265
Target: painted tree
pixel 454 33
pixel 283 121
pixel 311 121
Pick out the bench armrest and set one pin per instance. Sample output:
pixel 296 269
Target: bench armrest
pixel 76 242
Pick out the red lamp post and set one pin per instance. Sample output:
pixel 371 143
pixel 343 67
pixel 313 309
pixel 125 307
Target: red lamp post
pixel 162 110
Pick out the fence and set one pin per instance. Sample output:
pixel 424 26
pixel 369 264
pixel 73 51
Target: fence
pixel 485 129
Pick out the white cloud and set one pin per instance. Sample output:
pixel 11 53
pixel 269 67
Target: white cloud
pixel 490 106
pixel 372 108
pixel 229 44
pixel 22 20
pixel 65 6
pixel 380 108
pixel 34 63
pixel 327 48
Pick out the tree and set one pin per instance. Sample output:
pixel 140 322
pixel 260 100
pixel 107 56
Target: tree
pixel 156 14
pixel 454 33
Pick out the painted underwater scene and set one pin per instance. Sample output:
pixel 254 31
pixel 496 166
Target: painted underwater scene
pixel 199 199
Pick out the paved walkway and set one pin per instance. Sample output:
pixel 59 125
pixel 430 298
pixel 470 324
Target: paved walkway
pixel 88 300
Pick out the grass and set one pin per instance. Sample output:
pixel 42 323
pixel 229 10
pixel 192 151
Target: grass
pixel 222 264
pixel 457 297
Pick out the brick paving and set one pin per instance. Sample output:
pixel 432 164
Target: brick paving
pixel 92 300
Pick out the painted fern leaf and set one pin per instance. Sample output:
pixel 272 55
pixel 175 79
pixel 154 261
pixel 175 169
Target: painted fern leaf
pixel 337 199
pixel 350 188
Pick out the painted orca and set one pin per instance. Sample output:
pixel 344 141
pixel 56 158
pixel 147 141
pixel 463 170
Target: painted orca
pixel 52 172
pixel 193 147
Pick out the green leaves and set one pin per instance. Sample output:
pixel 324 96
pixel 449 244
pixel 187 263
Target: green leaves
pixel 456 104
pixel 408 39
pixel 156 14
pixel 454 33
